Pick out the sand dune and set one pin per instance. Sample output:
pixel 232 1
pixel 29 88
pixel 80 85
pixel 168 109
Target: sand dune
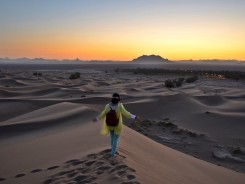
pixel 167 166
pixel 212 100
pixel 46 117
pixel 6 94
pixel 46 133
pixel 156 163
pixel 60 155
pixel 17 108
pixel 11 82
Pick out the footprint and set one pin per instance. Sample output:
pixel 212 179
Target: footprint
pixel 99 163
pixel 89 163
pixel 120 173
pixel 81 169
pixel 131 177
pixel 71 161
pixel 121 156
pixel 71 175
pixel 99 172
pixel 48 181
pixel 105 152
pixel 130 182
pixel 104 168
pixel 81 178
pixel 78 162
pixel 65 173
pixel 36 170
pixel 2 179
pixel 86 170
pixel 119 167
pixel 20 175
pixel 114 163
pixel 53 167
pixel 92 156
pixel 132 170
pixel 107 156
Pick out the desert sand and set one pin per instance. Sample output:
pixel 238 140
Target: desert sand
pixel 191 134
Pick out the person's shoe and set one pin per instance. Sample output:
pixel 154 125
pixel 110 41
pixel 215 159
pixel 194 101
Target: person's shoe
pixel 115 154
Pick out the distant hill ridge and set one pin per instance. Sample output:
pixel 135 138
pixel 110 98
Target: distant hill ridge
pixel 151 58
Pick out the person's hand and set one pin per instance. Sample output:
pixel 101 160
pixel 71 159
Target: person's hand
pixel 138 119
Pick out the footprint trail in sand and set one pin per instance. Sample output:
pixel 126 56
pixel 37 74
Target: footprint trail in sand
pixel 94 168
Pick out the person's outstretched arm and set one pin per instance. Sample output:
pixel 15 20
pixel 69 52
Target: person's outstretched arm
pixel 127 114
pixel 102 114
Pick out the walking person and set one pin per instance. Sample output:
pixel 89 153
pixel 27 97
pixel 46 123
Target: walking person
pixel 112 120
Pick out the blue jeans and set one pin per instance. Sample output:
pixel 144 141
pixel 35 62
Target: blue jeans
pixel 114 142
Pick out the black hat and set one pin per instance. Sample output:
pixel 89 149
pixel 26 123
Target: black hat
pixel 115 98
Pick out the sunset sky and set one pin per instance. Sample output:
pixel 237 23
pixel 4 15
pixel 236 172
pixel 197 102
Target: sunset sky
pixel 122 29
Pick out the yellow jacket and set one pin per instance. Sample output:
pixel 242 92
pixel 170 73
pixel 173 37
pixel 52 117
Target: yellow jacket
pixel 120 110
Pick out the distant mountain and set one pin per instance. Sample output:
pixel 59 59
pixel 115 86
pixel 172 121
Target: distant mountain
pixel 151 59
pixel 40 61
pixel 50 61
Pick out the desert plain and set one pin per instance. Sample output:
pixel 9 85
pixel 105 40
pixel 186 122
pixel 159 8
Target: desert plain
pixel 191 134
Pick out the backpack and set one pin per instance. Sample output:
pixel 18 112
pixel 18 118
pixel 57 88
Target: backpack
pixel 111 118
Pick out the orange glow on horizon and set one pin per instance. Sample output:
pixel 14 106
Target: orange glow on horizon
pixel 124 48
pixel 118 30
pixel 128 52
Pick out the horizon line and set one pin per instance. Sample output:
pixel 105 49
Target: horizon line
pixel 78 59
